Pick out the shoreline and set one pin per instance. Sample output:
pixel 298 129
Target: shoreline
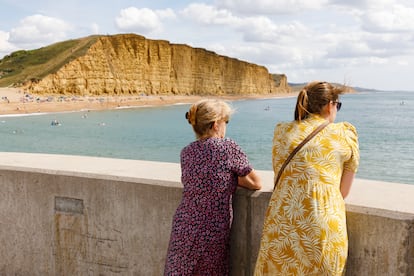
pixel 14 102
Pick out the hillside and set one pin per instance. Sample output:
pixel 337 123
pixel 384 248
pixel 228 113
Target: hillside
pixel 130 64
pixel 23 66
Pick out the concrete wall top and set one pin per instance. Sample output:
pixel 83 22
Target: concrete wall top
pixel 371 194
pixel 146 172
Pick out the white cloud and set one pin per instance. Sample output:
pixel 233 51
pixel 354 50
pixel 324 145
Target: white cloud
pixel 5 46
pixel 134 19
pixel 38 30
pixel 144 21
pixel 166 14
pixel 380 15
pixel 95 28
pixel 262 29
pixel 252 28
pixel 270 6
pixel 348 49
pixel 363 4
pixel 396 18
pixel 206 14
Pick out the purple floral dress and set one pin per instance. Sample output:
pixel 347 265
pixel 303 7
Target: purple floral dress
pixel 199 243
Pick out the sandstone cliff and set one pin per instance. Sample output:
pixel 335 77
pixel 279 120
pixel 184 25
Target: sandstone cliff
pixel 132 64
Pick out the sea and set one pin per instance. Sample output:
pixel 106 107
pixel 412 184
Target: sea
pixel 384 121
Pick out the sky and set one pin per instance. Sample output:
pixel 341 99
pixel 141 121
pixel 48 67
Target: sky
pixel 363 43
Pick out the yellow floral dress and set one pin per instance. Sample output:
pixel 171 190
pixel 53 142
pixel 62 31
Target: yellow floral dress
pixel 304 232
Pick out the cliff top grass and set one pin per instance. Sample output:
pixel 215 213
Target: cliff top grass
pixel 32 65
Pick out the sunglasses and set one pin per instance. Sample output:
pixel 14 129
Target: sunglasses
pixel 338 105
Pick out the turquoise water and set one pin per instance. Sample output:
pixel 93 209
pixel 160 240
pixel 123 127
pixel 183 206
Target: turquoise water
pixel 384 121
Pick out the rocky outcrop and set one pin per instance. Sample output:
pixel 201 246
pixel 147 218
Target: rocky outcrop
pixel 132 64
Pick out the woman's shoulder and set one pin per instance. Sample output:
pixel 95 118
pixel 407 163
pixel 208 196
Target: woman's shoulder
pixel 220 144
pixel 346 130
pixel 219 141
pixel 212 142
pixel 283 127
pixel 189 147
pixel 229 141
pixel 346 126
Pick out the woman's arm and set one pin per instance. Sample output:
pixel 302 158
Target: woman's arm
pixel 346 182
pixel 251 181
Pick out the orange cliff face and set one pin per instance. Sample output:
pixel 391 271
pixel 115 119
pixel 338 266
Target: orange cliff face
pixel 131 64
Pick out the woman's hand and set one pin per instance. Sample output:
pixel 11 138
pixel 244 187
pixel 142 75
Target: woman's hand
pixel 251 181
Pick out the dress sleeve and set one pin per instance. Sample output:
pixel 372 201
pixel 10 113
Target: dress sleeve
pixel 351 137
pixel 239 162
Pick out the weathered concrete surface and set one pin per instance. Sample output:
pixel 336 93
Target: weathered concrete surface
pixel 125 224
pixel 380 218
pixel 71 215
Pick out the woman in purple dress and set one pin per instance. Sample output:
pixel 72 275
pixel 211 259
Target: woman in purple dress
pixel 211 169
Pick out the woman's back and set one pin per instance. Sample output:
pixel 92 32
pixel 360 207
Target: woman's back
pixel 321 160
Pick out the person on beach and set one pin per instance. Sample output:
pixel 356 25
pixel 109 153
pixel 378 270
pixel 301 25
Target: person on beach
pixel 211 169
pixel 304 231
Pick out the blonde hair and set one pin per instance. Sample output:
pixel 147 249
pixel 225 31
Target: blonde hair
pixel 204 113
pixel 314 96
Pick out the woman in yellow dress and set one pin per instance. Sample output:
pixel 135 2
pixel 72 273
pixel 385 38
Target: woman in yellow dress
pixel 305 232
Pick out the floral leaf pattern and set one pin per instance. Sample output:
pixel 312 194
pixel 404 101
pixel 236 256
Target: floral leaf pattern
pixel 304 232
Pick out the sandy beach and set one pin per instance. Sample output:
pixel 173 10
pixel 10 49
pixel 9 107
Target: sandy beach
pixel 15 101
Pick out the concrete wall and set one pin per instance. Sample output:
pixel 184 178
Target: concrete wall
pixel 72 215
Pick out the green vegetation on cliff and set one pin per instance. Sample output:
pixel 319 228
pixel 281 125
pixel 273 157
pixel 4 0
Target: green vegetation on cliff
pixel 22 66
